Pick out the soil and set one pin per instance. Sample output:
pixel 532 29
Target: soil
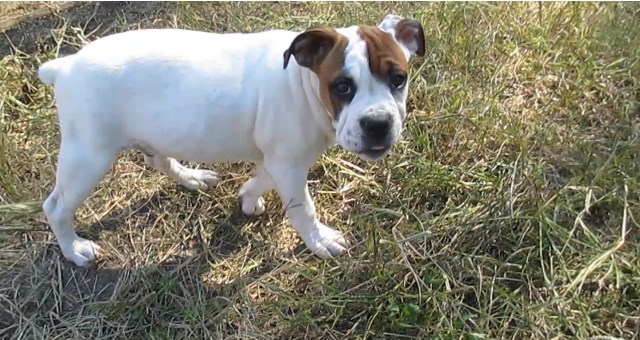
pixel 27 27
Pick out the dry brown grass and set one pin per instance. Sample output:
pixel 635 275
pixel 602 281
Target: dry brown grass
pixel 509 210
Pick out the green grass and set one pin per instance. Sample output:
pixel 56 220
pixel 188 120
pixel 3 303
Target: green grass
pixel 509 210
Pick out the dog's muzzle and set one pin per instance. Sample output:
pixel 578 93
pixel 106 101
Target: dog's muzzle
pixel 377 135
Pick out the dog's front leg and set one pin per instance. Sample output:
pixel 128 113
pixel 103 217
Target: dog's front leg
pixel 291 183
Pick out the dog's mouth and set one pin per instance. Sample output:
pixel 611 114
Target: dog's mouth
pixel 374 153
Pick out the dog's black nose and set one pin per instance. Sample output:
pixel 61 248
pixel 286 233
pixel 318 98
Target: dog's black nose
pixel 376 127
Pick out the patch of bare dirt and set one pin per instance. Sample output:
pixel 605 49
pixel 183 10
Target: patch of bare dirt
pixel 29 29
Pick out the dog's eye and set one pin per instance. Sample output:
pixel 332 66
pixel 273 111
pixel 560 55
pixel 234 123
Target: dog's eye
pixel 344 89
pixel 343 86
pixel 398 80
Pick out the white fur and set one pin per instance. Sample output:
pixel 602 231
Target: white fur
pixel 202 97
pixel 372 97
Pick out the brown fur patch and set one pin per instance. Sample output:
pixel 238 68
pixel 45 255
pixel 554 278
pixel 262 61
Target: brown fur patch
pixel 410 31
pixel 328 70
pixel 321 49
pixel 384 53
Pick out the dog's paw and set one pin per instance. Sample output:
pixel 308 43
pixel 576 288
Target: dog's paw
pixel 325 242
pixel 252 207
pixel 196 179
pixel 80 251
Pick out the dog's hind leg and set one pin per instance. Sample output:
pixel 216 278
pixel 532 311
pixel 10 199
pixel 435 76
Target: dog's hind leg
pixel 79 170
pixel 193 179
pixel 250 194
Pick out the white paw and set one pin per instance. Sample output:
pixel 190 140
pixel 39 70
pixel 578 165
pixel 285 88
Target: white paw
pixel 80 251
pixel 195 179
pixel 325 242
pixel 252 207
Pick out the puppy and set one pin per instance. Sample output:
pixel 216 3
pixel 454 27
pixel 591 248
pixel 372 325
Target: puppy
pixel 277 98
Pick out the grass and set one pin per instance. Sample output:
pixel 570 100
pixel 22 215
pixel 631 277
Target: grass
pixel 509 210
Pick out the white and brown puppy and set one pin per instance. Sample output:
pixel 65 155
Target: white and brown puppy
pixel 276 98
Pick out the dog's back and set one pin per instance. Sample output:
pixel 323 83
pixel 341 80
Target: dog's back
pixel 136 85
pixel 164 48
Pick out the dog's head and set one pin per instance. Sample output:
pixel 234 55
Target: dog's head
pixel 363 79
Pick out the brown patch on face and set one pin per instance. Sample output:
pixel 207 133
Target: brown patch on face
pixel 321 49
pixel 328 71
pixel 385 55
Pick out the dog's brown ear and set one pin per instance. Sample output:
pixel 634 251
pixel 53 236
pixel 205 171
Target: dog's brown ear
pixel 407 32
pixel 410 33
pixel 312 46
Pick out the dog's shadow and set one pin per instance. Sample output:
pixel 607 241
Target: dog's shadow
pixel 51 295
pixel 179 285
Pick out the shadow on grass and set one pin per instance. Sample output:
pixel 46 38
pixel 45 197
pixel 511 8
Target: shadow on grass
pixel 41 297
pixel 50 293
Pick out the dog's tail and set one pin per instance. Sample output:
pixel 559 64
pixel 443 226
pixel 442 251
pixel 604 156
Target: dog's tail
pixel 48 72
